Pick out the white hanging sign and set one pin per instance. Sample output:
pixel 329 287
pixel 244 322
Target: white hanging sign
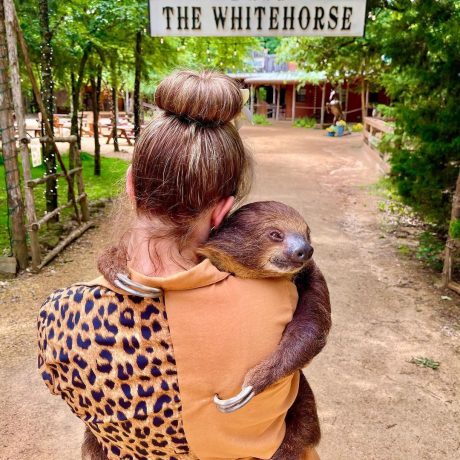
pixel 262 18
pixel 36 152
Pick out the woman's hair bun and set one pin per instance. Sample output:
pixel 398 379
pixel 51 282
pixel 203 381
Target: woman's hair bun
pixel 205 97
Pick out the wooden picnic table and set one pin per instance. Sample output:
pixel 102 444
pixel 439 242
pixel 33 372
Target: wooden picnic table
pixel 123 131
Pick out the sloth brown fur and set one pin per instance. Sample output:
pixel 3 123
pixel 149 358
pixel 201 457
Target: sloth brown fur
pixel 271 240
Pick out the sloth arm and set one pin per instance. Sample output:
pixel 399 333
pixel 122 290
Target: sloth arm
pixel 304 337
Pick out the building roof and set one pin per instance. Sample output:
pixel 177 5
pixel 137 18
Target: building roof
pixel 272 78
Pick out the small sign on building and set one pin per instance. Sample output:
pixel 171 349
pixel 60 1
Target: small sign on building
pixel 211 18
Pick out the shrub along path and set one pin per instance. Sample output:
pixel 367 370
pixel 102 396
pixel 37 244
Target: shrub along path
pixel 373 403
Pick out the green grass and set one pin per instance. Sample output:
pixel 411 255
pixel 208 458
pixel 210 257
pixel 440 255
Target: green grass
pixel 304 122
pixel 425 362
pixel 259 119
pixel 431 250
pixel 107 185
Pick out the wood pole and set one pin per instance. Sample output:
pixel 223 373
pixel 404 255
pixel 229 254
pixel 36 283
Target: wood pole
pixel 278 100
pixel 347 92
pixel 323 104
pixel 21 124
pixel 13 188
pixel 38 98
pixel 80 184
pixel 71 237
pixel 293 101
pixel 450 245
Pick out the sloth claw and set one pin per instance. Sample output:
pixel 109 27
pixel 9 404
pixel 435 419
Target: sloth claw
pixel 237 402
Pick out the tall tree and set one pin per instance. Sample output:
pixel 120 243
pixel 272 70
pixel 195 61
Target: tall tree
pixel 47 89
pixel 96 85
pixel 10 156
pixel 137 83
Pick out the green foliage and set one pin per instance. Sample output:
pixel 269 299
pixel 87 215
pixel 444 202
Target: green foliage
pixel 430 250
pixel 424 84
pixel 262 91
pixel 412 49
pixel 305 122
pixel 271 44
pixel 107 185
pixel 454 229
pixel 108 28
pixel 425 362
pixel 259 119
pixel 386 111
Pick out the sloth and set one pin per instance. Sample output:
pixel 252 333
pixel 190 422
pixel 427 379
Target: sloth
pixel 267 240
pixel 271 240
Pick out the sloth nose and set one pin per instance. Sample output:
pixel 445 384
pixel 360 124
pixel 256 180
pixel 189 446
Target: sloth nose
pixel 302 252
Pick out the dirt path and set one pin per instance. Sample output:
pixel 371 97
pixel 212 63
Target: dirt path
pixel 373 403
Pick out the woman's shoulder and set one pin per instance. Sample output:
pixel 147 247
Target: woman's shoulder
pixel 262 289
pixel 73 299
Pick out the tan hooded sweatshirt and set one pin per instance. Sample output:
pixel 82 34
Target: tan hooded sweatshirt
pixel 142 373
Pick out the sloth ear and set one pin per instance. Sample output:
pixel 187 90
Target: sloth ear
pixel 221 210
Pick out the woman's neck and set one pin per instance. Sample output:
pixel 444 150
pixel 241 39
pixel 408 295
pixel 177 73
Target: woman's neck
pixel 158 255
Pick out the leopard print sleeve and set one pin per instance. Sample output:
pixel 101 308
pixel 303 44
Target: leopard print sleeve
pixel 46 367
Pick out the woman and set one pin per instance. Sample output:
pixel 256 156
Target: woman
pixel 141 372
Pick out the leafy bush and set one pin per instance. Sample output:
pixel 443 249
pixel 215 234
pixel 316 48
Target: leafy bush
pixel 262 93
pixel 424 86
pixel 305 122
pixel 430 250
pixel 259 119
pixel 454 229
pixel 386 111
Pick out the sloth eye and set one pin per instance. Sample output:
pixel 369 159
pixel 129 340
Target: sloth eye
pixel 275 235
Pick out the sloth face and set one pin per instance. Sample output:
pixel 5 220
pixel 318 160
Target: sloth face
pixel 290 250
pixel 266 239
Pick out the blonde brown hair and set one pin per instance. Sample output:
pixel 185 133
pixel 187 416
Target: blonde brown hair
pixel 191 155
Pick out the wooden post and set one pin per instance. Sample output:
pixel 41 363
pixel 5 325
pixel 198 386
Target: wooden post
pixel 21 124
pixel 347 91
pixel 80 184
pixel 274 102
pixel 38 98
pixel 323 104
pixel 278 99
pixel 450 245
pixel 294 94
pixel 363 99
pixel 251 92
pixel 13 189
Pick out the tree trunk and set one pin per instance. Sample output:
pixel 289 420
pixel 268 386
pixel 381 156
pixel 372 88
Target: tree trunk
pixel 113 70
pixel 10 158
pixel 77 81
pixel 363 99
pixel 21 124
pixel 137 84
pixel 323 104
pixel 116 146
pixel 347 93
pixel 96 82
pixel 47 84
pixel 450 245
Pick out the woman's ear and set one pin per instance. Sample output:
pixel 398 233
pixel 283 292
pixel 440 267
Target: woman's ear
pixel 221 210
pixel 130 184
